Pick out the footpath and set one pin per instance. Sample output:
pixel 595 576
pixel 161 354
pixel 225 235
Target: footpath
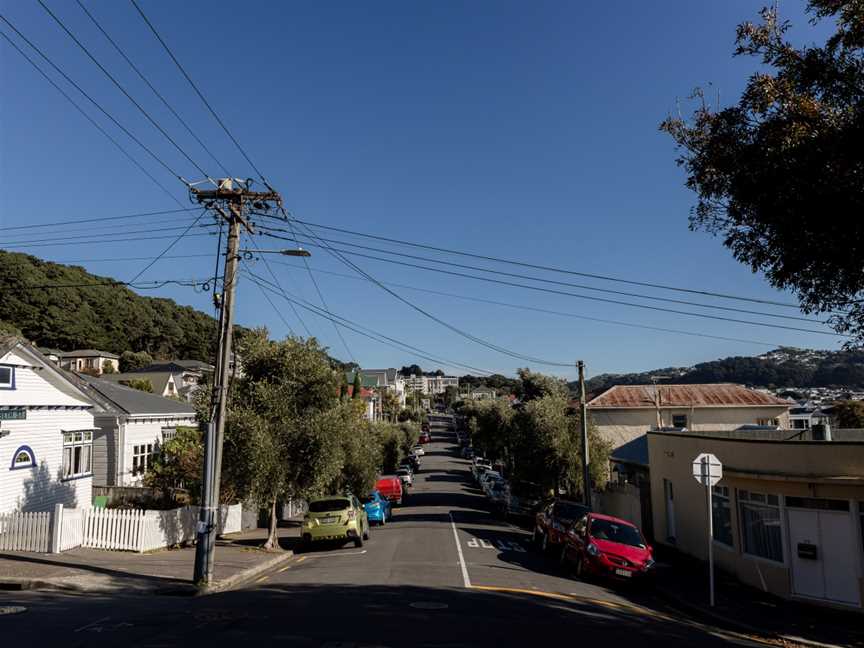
pixel 238 560
pixel 684 584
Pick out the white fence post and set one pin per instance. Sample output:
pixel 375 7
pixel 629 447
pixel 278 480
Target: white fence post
pixel 57 529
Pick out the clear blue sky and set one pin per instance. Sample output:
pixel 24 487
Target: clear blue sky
pixel 523 130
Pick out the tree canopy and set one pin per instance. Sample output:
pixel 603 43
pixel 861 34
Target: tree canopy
pixel 779 175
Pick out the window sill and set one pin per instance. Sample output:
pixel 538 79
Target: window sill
pixel 76 477
pixel 762 559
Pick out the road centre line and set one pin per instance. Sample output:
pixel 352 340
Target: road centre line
pixel 466 580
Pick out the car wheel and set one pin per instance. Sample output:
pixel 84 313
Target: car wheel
pixel 358 542
pixel 535 538
pixel 366 533
pixel 383 519
pixel 562 556
pixel 578 567
pixel 544 543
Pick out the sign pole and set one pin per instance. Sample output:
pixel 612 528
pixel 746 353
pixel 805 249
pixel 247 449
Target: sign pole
pixel 710 542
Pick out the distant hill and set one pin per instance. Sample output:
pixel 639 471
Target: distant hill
pixel 783 367
pixel 110 318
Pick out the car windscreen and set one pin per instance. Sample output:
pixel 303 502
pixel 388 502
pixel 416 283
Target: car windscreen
pixel 570 511
pixel 327 505
pixel 616 532
pixel 368 499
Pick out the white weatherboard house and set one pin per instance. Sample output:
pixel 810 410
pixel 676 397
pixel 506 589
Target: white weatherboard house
pixel 130 427
pixel 46 433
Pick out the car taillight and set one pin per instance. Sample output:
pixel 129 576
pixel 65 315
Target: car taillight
pixel 352 514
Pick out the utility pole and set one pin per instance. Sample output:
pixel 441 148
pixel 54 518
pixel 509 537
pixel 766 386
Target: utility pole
pixel 229 202
pixel 583 416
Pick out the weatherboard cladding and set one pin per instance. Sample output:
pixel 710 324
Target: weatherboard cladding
pixel 719 395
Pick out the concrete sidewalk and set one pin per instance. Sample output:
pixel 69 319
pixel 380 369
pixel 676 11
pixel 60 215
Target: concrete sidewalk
pixel 168 571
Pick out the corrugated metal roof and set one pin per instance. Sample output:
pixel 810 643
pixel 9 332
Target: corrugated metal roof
pixel 719 395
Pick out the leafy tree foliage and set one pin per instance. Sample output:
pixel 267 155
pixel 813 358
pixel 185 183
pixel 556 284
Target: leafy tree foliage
pixel 358 385
pixel 141 384
pixel 178 465
pixel 108 367
pixel 130 360
pixel 778 175
pixel 411 370
pixel 849 414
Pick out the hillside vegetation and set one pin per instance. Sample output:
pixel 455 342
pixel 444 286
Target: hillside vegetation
pixel 106 317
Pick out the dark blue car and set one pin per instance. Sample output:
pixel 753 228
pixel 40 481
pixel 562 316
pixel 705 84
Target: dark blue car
pixel 377 508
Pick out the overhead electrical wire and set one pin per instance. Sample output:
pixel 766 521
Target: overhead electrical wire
pixel 276 280
pixel 95 237
pixel 150 85
pixel 137 215
pixel 571 294
pixel 95 124
pixel 113 229
pixel 558 283
pixel 171 245
pixel 123 90
pixel 438 320
pixel 141 285
pixel 94 102
pixel 537 309
pixel 362 330
pixel 196 89
pixel 100 241
pixel 524 264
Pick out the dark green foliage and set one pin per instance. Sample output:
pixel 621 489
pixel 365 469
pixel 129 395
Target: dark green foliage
pixel 141 384
pixel 130 361
pixel 849 414
pixel 781 368
pixel 358 385
pixel 107 317
pixel 411 370
pixel 502 384
pixel 779 174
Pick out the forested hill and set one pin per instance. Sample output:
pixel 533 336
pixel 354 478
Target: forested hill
pixel 108 317
pixel 784 367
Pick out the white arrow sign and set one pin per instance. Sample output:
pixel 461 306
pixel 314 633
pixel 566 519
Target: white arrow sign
pixel 707 469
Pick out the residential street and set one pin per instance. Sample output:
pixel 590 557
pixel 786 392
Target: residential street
pixel 406 587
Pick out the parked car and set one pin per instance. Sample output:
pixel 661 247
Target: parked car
pixel 411 462
pixel 496 491
pixel 425 437
pixel 522 498
pixel 405 475
pixel 378 508
pixel 487 478
pixel 479 468
pixel 554 520
pixel 336 517
pixel 607 546
pixel 418 450
pixel 391 489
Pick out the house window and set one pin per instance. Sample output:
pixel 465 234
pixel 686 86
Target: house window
pixel 765 421
pixel 142 458
pixel 23 457
pixel 761 532
pixel 679 420
pixel 168 433
pixel 7 378
pixel 722 515
pixel 77 453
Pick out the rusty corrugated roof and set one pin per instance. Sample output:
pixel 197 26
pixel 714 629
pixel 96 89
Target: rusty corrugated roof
pixel 719 395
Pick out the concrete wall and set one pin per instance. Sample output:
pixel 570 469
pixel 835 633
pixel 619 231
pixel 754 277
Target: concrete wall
pixel 801 469
pixel 619 426
pixel 621 501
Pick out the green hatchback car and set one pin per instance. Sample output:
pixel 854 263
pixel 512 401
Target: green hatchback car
pixel 336 517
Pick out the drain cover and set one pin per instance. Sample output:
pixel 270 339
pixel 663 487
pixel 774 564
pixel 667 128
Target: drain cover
pixel 429 605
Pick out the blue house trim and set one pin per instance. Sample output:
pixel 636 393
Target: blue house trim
pixel 29 451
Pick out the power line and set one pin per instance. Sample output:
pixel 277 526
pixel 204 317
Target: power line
pixel 98 220
pixel 278 312
pixel 88 117
pixel 171 245
pixel 123 90
pixel 537 309
pixel 150 85
pixel 95 237
pixel 561 283
pixel 571 294
pixel 707 293
pixel 362 330
pixel 438 320
pixel 93 101
pixel 100 241
pixel 143 285
pixel 195 88
pixel 113 229
pixel 276 279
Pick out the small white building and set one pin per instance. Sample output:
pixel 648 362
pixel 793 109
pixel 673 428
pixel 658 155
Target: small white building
pixel 46 433
pixel 130 427
pixel 91 361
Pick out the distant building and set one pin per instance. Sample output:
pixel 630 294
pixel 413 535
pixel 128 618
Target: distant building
pixel 625 412
pixel 389 379
pixel 430 385
pixel 90 361
pixel 479 393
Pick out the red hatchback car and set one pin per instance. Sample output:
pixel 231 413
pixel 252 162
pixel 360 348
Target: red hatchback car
pixel 390 489
pixel 603 545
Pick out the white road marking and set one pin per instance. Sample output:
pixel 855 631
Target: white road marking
pixel 93 624
pixel 466 580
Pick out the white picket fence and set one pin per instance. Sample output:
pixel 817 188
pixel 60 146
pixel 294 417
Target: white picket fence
pixel 21 531
pixel 109 529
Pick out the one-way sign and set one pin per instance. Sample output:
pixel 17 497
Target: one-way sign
pixel 707 469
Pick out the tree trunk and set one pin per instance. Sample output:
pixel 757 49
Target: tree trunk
pixel 272 535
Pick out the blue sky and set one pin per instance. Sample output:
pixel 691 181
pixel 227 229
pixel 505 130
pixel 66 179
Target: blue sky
pixel 521 130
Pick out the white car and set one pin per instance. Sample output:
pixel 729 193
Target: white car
pixel 405 476
pixel 418 450
pixel 488 476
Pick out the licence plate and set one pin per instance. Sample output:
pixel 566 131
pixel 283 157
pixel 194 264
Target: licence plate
pixel 329 520
pixel 624 572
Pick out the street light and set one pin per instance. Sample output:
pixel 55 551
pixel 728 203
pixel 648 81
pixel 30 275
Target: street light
pixel 299 252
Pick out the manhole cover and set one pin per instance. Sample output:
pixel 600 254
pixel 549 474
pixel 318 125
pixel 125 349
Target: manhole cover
pixel 12 609
pixel 429 605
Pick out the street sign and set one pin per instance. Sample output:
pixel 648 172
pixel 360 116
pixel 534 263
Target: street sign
pixel 15 414
pixel 707 469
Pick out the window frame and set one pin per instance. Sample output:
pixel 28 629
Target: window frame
pixel 11 383
pixel 680 416
pixel 720 494
pixel 142 460
pixel 765 504
pixel 80 439
pixel 26 450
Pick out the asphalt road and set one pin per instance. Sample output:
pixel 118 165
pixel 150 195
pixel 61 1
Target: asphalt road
pixel 443 573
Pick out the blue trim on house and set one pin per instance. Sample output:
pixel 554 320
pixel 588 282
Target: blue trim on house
pixel 12 368
pixel 76 477
pixel 29 451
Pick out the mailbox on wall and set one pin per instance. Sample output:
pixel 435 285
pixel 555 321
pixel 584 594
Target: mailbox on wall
pixel 808 551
